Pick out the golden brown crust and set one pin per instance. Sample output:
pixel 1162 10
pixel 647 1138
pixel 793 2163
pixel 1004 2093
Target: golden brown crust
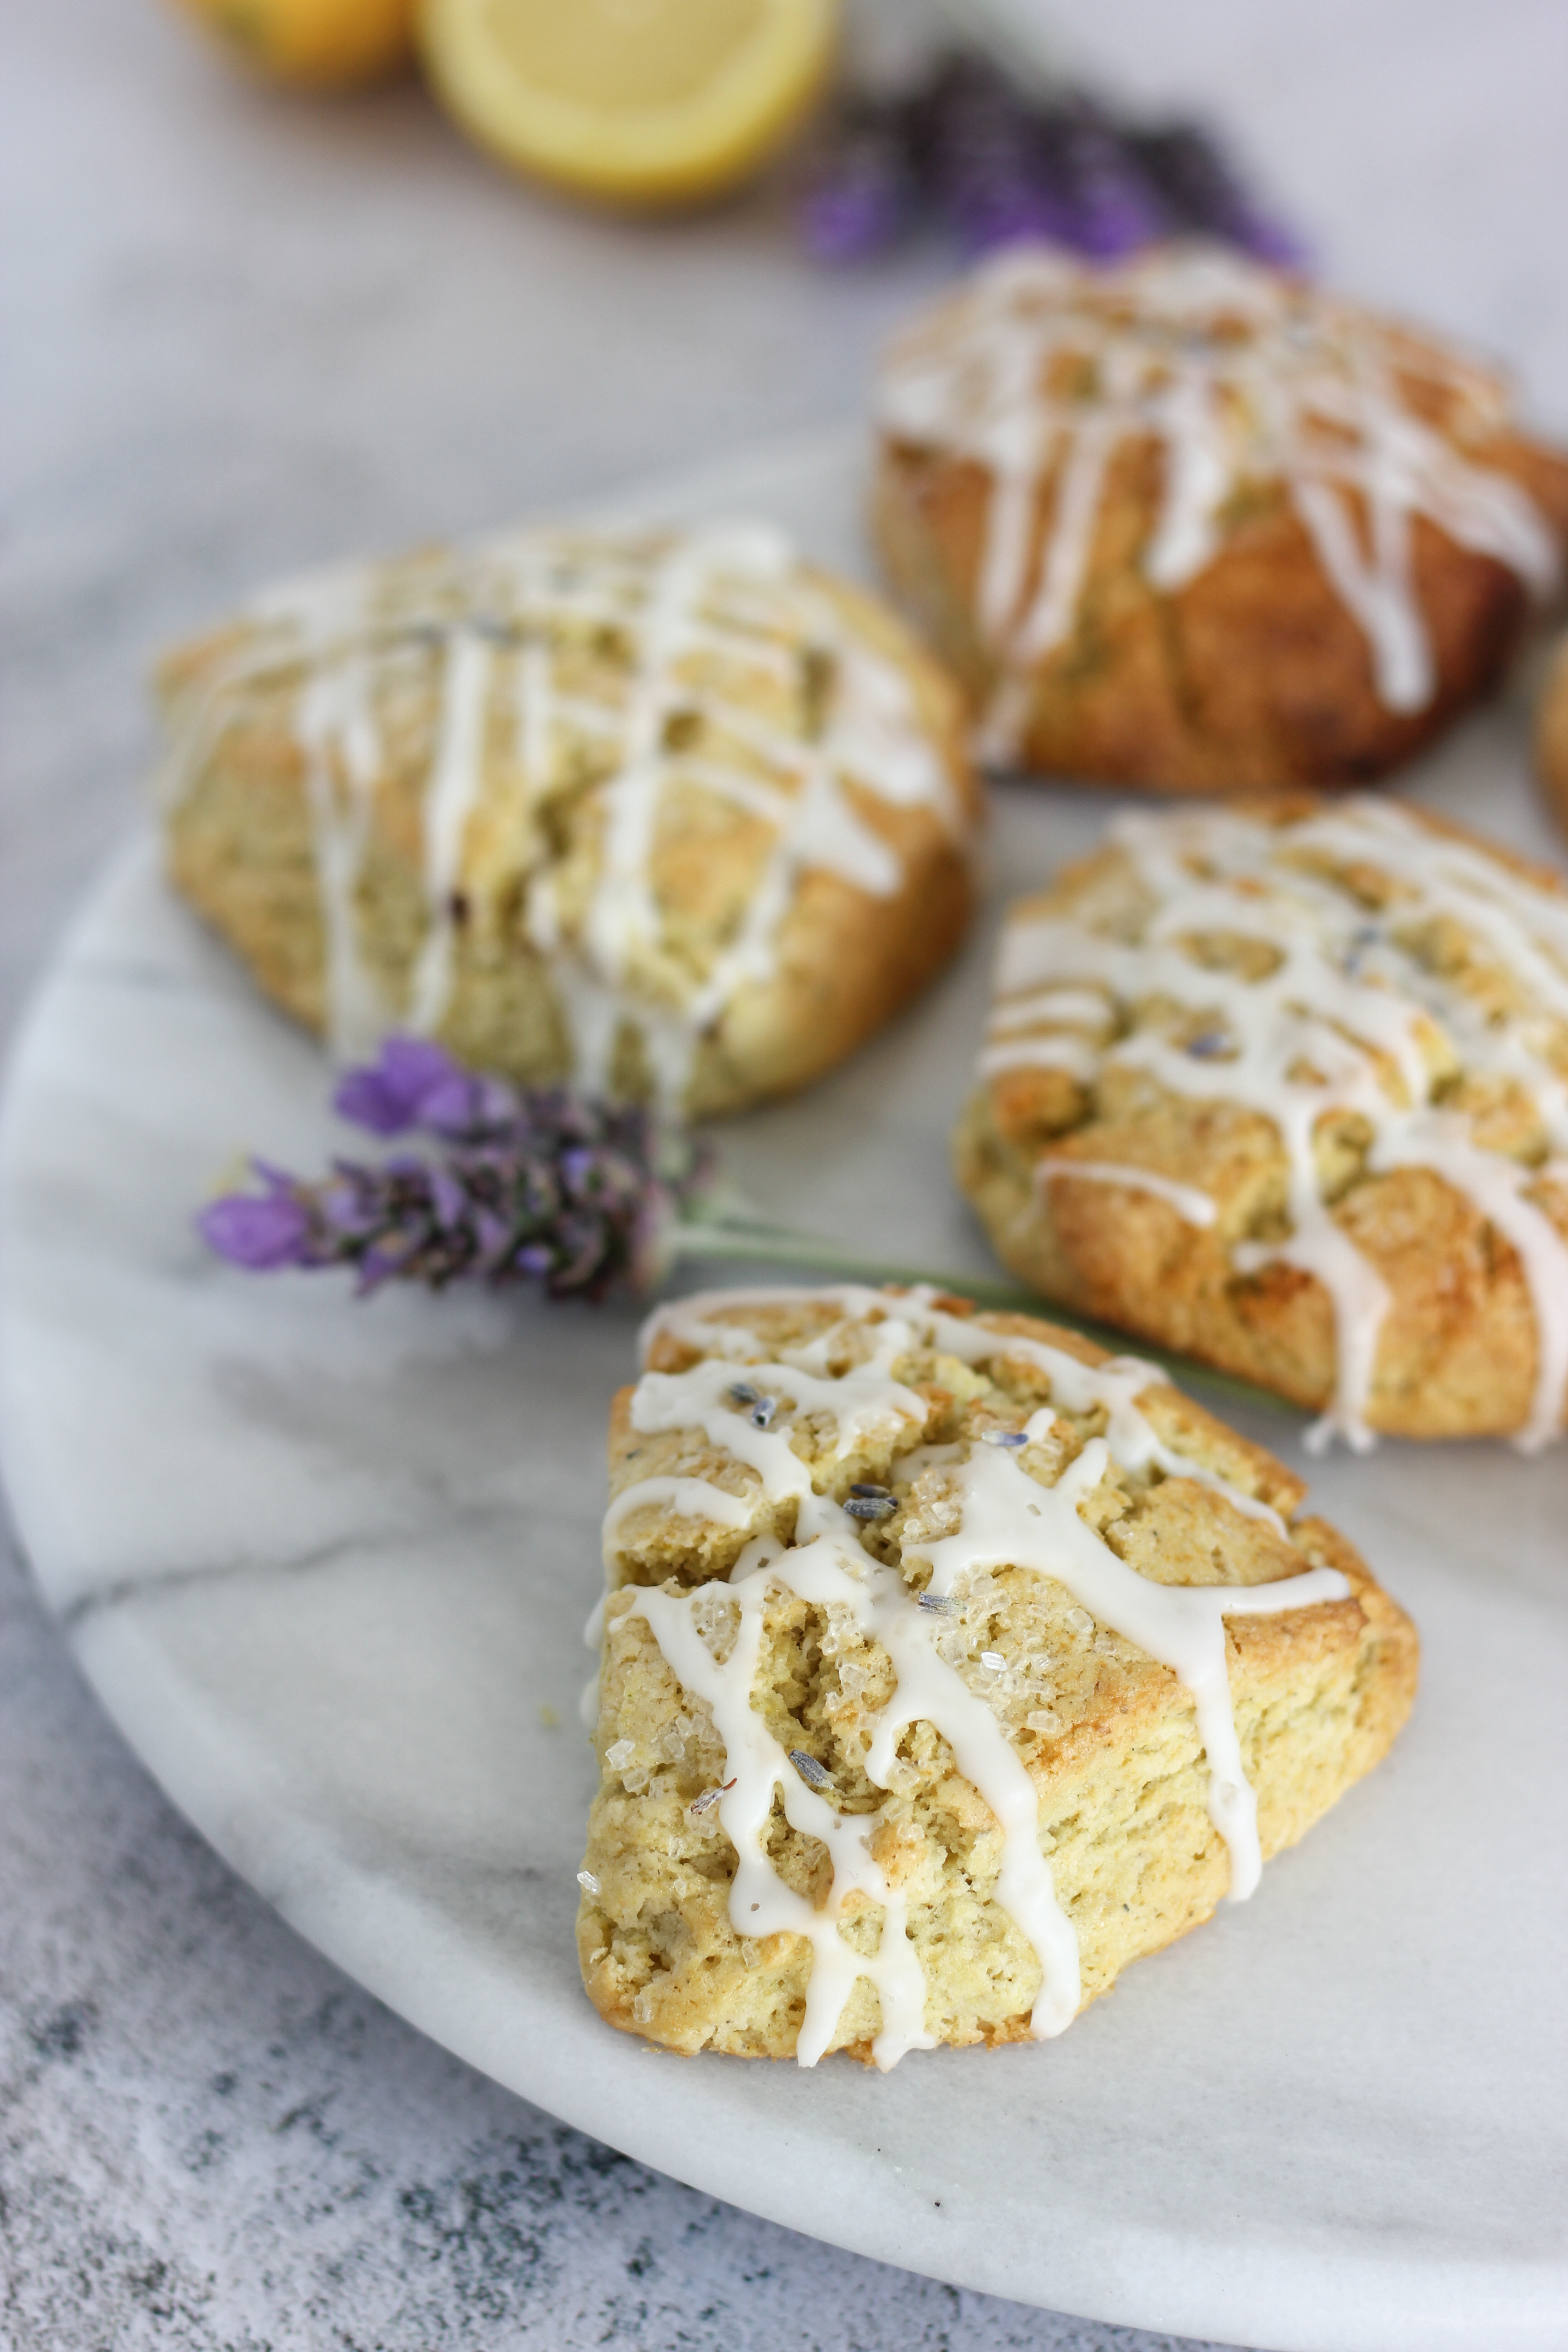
pixel 1458 1349
pixel 242 848
pixel 1552 735
pixel 1457 1353
pixel 1109 1737
pixel 1254 675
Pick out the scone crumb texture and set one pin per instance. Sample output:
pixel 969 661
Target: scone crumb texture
pixel 1285 1087
pixel 947 1665
pixel 665 814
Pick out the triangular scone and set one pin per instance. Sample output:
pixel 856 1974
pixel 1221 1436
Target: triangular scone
pixel 660 812
pixel 890 1755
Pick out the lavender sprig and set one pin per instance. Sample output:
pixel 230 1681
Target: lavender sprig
pixel 537 1185
pixel 532 1185
pixel 541 1186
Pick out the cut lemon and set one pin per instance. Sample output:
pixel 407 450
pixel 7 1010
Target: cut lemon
pixel 319 44
pixel 642 101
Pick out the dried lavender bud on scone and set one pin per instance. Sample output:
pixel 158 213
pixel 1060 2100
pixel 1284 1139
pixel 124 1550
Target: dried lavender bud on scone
pixel 1191 524
pixel 1286 1088
pixel 666 816
pixel 948 1665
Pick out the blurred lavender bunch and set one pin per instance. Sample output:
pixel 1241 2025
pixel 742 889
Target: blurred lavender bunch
pixel 969 150
pixel 529 1185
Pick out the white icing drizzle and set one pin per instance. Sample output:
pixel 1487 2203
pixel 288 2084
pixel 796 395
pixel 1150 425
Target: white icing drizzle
pixel 454 786
pixel 1181 1625
pixel 1350 1019
pixel 707 623
pixel 1196 1207
pixel 760 1903
pixel 593 1637
pixel 1059 1051
pixel 683 1498
pixel 1008 1518
pixel 1058 1003
pixel 1040 369
pixel 336 728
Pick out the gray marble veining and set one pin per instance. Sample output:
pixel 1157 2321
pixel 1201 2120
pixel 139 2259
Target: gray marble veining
pixel 211 2141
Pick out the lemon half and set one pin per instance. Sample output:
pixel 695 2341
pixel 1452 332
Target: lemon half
pixel 640 102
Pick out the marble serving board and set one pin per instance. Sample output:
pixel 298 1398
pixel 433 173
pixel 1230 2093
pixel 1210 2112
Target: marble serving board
pixel 327 1566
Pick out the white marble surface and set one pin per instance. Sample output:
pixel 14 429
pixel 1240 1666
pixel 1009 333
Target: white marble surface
pixel 240 335
pixel 327 1569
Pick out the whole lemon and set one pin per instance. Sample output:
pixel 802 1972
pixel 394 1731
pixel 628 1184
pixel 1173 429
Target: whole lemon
pixel 311 44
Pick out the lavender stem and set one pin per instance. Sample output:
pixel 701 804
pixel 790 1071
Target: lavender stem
pixel 777 1246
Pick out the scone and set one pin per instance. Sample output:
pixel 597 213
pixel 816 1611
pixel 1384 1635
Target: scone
pixel 948 1665
pixel 1191 524
pixel 666 814
pixel 1286 1088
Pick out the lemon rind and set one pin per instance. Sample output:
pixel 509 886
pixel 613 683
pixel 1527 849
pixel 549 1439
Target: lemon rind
pixel 661 155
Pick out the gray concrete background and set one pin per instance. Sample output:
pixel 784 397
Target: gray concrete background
pixel 242 333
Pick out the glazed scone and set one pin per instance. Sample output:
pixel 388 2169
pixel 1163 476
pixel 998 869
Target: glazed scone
pixel 947 1666
pixel 666 814
pixel 1190 524
pixel 1286 1088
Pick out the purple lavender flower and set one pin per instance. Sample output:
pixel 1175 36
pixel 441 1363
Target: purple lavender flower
pixel 857 192
pixel 534 1185
pixel 1008 169
pixel 415 1083
pixel 983 158
pixel 1202 192
pixel 386 1096
pixel 1111 208
pixel 258 1231
pixel 971 149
